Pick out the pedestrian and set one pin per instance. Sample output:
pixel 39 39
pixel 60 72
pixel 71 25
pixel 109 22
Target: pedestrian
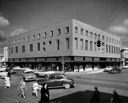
pixel 7 82
pixel 44 94
pixel 35 89
pixel 115 97
pixel 96 96
pixel 22 87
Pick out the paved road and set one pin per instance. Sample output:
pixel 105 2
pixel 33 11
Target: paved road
pixel 80 94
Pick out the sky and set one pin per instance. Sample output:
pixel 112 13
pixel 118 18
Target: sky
pixel 19 16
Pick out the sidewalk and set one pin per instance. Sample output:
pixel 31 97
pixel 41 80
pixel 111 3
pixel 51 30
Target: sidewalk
pixel 90 71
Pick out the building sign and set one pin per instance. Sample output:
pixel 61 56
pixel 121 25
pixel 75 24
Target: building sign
pixel 108 59
pixel 40 59
pixel 78 58
pixel 96 59
pixel 10 60
pixel 31 60
pixel 67 58
pixel 88 59
pixel 16 59
pixel 23 60
pixel 113 59
pixel 117 59
pixel 51 59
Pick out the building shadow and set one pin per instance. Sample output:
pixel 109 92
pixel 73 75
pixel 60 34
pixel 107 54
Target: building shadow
pixel 85 97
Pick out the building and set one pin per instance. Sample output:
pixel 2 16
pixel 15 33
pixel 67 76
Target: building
pixel 66 45
pixel 124 56
pixel 1 60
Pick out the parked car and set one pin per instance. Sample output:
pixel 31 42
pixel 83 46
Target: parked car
pixel 3 68
pixel 17 68
pixel 108 68
pixel 28 70
pixel 42 73
pixel 124 67
pixel 3 74
pixel 56 80
pixel 115 70
pixel 29 77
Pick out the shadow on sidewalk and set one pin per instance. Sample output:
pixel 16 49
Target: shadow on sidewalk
pixel 85 97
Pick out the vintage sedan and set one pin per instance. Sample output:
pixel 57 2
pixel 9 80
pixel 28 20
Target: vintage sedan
pixel 108 68
pixel 29 77
pixel 3 74
pixel 56 80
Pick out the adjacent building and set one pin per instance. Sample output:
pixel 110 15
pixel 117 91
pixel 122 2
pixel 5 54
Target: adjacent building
pixel 124 56
pixel 66 45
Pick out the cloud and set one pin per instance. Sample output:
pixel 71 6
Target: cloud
pixel 18 31
pixel 121 29
pixel 2 38
pixel 4 21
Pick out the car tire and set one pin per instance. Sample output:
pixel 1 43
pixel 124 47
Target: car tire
pixel 67 86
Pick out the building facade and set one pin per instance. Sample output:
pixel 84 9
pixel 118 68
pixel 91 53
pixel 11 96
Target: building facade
pixel 124 56
pixel 66 45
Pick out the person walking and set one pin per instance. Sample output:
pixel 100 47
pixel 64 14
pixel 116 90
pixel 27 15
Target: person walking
pixel 35 89
pixel 115 97
pixel 22 87
pixel 96 96
pixel 44 94
pixel 7 82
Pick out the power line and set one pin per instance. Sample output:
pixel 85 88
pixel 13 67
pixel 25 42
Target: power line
pixel 116 14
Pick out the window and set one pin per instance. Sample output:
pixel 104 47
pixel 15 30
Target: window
pixel 95 46
pixel 19 41
pixel 44 49
pixel 76 43
pixel 76 29
pixel 99 36
pixel 67 43
pixel 11 50
pixel 106 48
pixel 91 34
pixel 109 49
pixel 50 42
pixel 103 38
pixel 82 31
pixel 23 48
pixel 31 47
pixel 16 49
pixel 81 44
pixel 58 44
pixel 59 31
pixel 95 36
pixel 43 43
pixel 38 36
pixel 44 35
pixel 28 38
pixel 67 30
pixel 33 37
pixel 23 39
pixel 86 44
pixel 86 32
pixel 91 46
pixel 38 46
pixel 51 33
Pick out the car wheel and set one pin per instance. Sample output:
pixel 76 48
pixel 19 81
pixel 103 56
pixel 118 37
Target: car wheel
pixel 67 86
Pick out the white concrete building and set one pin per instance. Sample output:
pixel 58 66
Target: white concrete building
pixel 68 43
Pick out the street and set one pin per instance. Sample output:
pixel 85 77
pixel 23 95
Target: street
pixel 80 94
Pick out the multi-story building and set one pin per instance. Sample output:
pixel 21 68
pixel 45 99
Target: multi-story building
pixel 66 44
pixel 124 56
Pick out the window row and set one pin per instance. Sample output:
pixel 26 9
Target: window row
pixel 38 36
pixel 38 46
pixel 95 35
pixel 81 44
